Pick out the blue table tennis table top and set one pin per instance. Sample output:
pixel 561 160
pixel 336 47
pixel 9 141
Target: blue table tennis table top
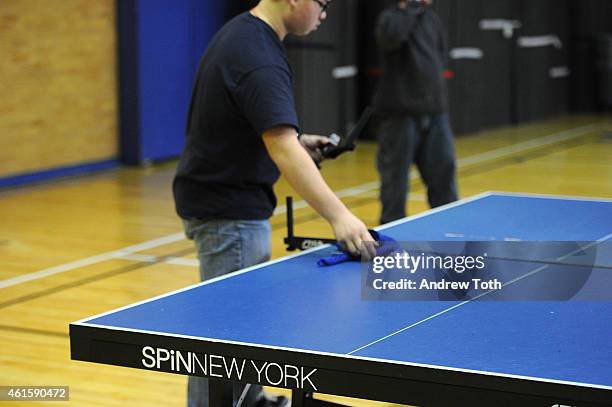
pixel 291 304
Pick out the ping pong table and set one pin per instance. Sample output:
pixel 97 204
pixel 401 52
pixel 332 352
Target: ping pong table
pixel 289 323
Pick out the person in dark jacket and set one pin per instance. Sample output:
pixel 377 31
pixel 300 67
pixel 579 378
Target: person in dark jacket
pixel 412 103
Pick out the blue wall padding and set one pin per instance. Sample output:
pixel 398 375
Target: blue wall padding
pixel 161 42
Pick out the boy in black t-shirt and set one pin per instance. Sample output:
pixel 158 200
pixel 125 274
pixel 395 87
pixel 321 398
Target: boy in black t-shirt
pixel 241 134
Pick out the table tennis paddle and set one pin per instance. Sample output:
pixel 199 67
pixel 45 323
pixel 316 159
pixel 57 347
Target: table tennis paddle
pixel 340 145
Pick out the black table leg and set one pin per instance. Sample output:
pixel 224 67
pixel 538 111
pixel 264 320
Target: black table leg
pixel 299 397
pixel 220 393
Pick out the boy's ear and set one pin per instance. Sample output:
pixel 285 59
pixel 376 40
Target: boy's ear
pixel 293 3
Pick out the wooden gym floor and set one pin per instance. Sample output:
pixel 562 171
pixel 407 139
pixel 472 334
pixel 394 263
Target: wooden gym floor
pixel 81 246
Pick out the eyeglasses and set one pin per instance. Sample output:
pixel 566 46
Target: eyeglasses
pixel 323 5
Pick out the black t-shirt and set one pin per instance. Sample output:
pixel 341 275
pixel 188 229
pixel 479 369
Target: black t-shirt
pixel 244 86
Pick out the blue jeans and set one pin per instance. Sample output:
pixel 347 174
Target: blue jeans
pixel 428 142
pixel 224 246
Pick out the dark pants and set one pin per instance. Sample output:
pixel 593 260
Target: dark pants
pixel 428 142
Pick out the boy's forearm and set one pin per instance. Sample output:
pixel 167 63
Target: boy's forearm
pixel 302 174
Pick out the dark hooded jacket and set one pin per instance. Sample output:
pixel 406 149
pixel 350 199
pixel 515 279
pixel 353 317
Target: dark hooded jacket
pixel 414 50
